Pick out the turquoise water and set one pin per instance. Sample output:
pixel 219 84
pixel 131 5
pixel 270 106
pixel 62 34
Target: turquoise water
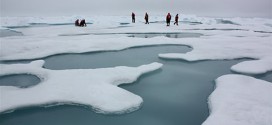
pixel 174 95
pixel 129 57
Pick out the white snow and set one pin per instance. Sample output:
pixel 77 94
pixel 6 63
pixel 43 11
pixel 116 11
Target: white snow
pixel 92 87
pixel 240 100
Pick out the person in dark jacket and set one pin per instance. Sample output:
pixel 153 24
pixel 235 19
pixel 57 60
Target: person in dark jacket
pixel 168 19
pixel 133 17
pixel 77 22
pixel 146 18
pixel 82 23
pixel 176 20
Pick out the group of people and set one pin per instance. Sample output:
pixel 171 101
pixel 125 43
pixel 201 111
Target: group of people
pixel 81 23
pixel 168 19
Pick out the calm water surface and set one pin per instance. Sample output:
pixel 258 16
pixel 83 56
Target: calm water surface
pixel 175 95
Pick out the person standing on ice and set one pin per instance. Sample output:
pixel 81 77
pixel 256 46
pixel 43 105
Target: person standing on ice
pixel 146 18
pixel 133 17
pixel 176 20
pixel 168 19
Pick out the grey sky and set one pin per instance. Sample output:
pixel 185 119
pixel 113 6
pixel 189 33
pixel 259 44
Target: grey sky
pixel 245 8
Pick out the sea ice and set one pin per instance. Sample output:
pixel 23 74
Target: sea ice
pixel 215 44
pixel 91 87
pixel 237 99
pixel 240 100
pixel 231 48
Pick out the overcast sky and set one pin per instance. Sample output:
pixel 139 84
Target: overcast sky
pixel 244 8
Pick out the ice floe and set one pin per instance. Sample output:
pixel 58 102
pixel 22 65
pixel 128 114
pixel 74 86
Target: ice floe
pixel 231 48
pixel 91 87
pixel 240 100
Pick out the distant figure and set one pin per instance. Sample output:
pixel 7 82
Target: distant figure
pixel 146 18
pixel 176 20
pixel 77 22
pixel 133 17
pixel 82 23
pixel 168 19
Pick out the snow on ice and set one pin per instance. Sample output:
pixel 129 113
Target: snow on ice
pixel 93 87
pixel 221 48
pixel 204 48
pixel 240 100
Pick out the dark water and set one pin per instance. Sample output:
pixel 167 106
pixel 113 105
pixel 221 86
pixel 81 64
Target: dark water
pixel 124 23
pixel 266 76
pixel 43 25
pixel 21 80
pixel 175 95
pixel 144 35
pixel 180 22
pixel 190 22
pixel 5 33
pixel 263 32
pixel 224 21
pixel 169 35
pixel 221 29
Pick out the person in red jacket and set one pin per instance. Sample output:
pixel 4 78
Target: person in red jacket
pixel 176 20
pixel 133 17
pixel 168 19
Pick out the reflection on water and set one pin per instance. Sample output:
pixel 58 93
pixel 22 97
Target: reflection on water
pixel 175 95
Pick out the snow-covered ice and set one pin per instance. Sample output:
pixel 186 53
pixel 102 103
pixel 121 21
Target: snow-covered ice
pixel 214 45
pixel 240 100
pixel 221 48
pixel 91 87
pixel 204 48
